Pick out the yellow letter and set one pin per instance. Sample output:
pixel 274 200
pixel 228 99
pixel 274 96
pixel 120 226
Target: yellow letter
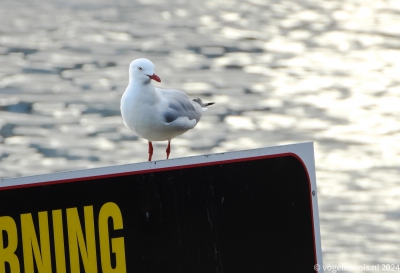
pixel 59 241
pixel 75 238
pixel 30 243
pixel 7 254
pixel 111 210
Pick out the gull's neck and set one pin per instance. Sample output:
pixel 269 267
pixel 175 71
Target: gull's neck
pixel 145 90
pixel 139 85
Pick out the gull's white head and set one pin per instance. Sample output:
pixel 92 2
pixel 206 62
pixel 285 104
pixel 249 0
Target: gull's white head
pixel 142 70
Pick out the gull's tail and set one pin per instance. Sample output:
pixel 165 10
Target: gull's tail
pixel 202 104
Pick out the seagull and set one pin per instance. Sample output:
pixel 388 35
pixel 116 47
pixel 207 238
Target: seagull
pixel 157 114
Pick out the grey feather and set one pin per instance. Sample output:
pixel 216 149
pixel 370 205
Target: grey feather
pixel 170 116
pixel 179 103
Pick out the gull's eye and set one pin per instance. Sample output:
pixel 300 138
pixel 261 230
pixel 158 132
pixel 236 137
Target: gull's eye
pixel 140 68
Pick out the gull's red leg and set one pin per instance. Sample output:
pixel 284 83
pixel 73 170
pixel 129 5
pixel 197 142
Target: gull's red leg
pixel 150 150
pixel 168 150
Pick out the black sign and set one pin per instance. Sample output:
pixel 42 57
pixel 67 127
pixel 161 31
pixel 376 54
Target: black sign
pixel 243 215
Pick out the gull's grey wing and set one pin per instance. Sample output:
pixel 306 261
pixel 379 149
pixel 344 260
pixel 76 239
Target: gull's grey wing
pixel 179 106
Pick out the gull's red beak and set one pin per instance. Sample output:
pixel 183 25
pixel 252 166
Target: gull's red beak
pixel 155 77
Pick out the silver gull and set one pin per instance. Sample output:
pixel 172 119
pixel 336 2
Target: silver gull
pixel 157 114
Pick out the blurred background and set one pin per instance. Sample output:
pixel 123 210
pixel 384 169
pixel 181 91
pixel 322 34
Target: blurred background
pixel 280 72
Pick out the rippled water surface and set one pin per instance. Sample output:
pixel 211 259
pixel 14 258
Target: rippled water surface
pixel 279 71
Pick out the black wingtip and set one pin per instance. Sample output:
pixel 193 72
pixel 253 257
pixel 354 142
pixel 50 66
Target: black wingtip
pixel 198 100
